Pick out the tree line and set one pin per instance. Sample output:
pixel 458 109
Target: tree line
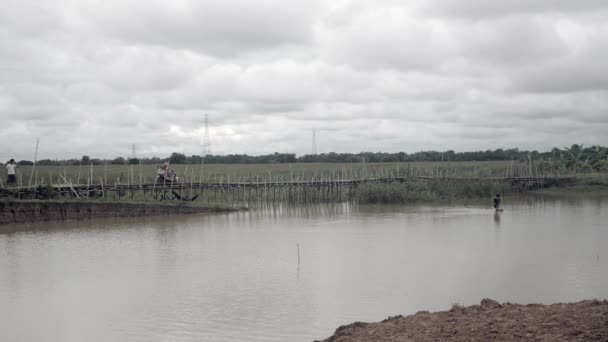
pixel 575 156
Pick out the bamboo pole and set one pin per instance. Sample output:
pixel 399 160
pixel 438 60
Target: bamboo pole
pixel 103 192
pixel 71 187
pixel 129 185
pixel 154 187
pixel 141 194
pixel 191 194
pixel 78 178
pixel 34 165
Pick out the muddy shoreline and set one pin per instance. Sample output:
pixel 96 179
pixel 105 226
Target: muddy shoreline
pixel 490 321
pixel 13 212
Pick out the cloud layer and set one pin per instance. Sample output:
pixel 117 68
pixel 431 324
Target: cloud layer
pixel 94 77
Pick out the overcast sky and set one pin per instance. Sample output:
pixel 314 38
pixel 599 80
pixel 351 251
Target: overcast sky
pixel 97 76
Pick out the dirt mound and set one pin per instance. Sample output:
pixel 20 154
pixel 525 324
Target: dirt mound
pixel 489 321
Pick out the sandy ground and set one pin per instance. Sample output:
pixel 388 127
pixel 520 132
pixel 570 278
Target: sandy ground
pixel 489 321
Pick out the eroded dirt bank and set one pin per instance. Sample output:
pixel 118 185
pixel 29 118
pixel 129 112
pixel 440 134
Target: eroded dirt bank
pixel 39 211
pixel 490 321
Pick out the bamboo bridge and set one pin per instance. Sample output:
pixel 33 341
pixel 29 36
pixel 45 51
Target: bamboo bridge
pixel 292 191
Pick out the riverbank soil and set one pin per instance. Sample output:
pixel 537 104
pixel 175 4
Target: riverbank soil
pixel 39 211
pixel 490 321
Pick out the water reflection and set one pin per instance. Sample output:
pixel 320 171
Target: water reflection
pixel 165 236
pixel 239 276
pixel 302 211
pixel 497 218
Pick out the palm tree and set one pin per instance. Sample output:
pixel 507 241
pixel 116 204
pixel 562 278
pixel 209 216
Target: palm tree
pixel 599 154
pixel 573 154
pixel 556 153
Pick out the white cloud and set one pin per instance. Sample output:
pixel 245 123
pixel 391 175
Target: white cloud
pixel 94 77
pixel 219 28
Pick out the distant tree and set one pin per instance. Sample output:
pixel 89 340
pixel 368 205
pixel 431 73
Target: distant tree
pixel 194 159
pixel 25 162
pixel 450 155
pixel 573 155
pixel 178 158
pixel 118 161
pixel 287 158
pixel 598 157
pixel 47 162
pixel 153 160
pixel 389 158
pixel 583 166
pixel 576 158
pixel 556 153
pixel 601 166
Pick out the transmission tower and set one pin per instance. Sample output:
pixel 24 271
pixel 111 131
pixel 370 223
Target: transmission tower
pixel 206 140
pixel 314 141
pixel 133 151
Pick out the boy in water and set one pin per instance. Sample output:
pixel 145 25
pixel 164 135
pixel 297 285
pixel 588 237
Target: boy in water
pixel 497 202
pixel 10 171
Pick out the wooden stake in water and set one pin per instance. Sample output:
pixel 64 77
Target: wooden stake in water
pixel 298 246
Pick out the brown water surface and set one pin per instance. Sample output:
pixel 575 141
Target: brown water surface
pixel 235 277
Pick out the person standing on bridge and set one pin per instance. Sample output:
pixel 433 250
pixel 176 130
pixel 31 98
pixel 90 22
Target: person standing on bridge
pixel 11 166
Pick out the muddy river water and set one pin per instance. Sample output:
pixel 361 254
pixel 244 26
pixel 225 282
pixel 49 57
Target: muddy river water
pixel 238 276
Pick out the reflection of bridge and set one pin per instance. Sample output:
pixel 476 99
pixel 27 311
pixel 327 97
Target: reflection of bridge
pixel 292 191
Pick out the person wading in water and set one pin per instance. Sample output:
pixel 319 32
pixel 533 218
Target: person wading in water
pixel 497 201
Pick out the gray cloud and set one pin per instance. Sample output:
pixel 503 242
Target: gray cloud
pixel 94 78
pixel 565 78
pixel 497 8
pixel 218 28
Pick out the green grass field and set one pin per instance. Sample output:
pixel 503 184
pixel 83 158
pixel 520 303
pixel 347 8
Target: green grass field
pixel 134 174
pixel 411 191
